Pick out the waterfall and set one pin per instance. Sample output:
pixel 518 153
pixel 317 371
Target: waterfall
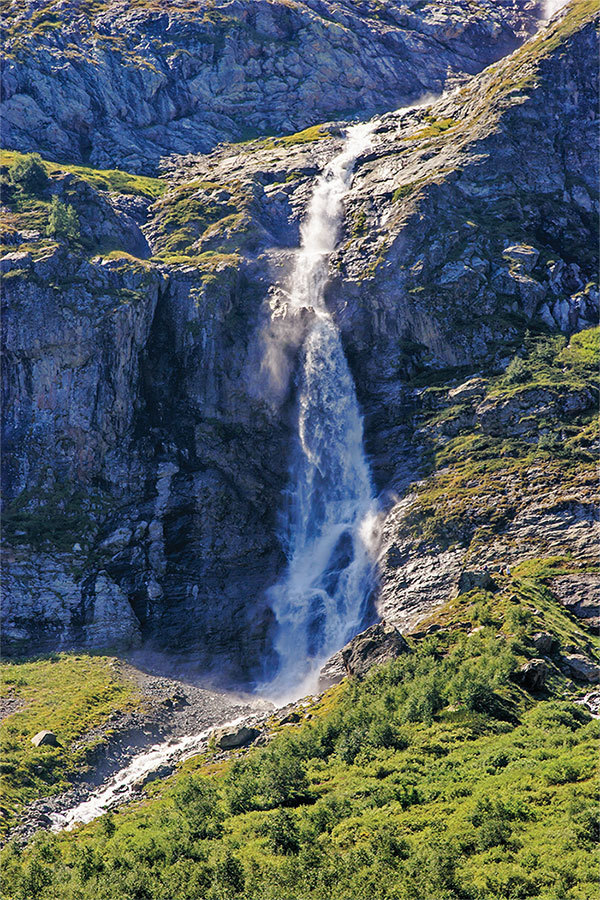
pixel 321 600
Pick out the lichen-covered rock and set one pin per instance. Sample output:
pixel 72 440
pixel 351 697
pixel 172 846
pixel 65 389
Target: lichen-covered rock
pixel 377 644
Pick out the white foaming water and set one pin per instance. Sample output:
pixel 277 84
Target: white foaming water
pixel 551 7
pixel 321 600
pixel 121 786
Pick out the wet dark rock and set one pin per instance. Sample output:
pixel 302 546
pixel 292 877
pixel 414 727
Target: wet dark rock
pixel 532 675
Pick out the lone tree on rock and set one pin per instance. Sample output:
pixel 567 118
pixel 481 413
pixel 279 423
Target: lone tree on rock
pixel 63 222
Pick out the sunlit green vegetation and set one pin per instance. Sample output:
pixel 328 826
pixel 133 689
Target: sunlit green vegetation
pixel 113 180
pixel 68 694
pixel 435 777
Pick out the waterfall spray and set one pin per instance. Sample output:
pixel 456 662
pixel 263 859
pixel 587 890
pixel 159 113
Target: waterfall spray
pixel 322 598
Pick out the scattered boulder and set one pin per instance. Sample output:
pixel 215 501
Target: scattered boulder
pixel 580 595
pixel 230 740
pixel 291 719
pixel 45 739
pixel 578 666
pixel 532 675
pixel 375 645
pixel 544 643
pixel 591 702
pixel 476 579
pixel 162 771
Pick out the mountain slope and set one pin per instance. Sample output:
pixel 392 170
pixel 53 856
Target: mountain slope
pixel 122 84
pixel 151 507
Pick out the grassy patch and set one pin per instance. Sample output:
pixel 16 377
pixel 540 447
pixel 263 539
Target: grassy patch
pixel 306 136
pixel 67 694
pixel 114 180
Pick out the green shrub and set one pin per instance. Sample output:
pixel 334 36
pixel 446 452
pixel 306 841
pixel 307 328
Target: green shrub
pixel 28 173
pixel 518 372
pixel 283 833
pixel 197 799
pixel 230 874
pixel 63 222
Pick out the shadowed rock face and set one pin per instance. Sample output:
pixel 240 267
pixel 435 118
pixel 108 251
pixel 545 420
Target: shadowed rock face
pixel 143 439
pixel 137 82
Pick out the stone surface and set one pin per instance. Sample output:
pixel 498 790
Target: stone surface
pixel 377 644
pixel 45 739
pixel 138 83
pixel 241 737
pixel 532 675
pixel 544 643
pixel 470 580
pixel 580 667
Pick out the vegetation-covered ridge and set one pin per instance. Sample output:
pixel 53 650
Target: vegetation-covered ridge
pixel 528 435
pixel 436 777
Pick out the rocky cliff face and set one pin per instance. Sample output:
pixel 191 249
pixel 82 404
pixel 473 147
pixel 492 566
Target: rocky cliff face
pixel 146 451
pixel 124 84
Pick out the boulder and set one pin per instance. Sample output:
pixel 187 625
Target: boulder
pixel 332 672
pixel 45 739
pixel 532 675
pixel 476 579
pixel 578 666
pixel 579 594
pixel 291 718
pixel 522 255
pixel 375 645
pixel 591 702
pixel 543 642
pixel 241 737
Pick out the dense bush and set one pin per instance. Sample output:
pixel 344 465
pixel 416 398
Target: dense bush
pixel 436 777
pixel 63 221
pixel 28 173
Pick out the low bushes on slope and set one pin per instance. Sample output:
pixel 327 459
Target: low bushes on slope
pixel 435 777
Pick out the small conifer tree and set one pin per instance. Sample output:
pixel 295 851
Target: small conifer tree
pixel 63 222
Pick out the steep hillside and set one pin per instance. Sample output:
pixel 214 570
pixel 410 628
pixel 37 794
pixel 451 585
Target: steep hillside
pixel 145 450
pixel 126 83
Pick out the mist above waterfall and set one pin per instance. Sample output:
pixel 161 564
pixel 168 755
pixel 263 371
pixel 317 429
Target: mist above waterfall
pixel 330 512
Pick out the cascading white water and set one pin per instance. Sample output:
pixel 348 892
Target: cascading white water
pixel 321 600
pixel 121 786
